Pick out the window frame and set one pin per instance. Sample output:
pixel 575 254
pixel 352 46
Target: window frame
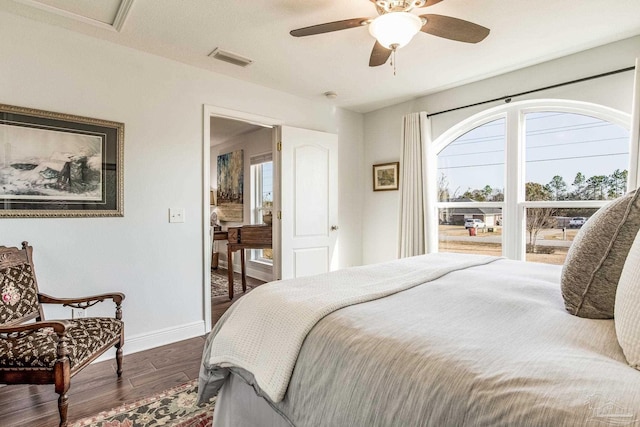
pixel 514 205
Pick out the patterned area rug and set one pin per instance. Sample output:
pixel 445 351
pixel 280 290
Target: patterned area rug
pixel 220 286
pixel 171 408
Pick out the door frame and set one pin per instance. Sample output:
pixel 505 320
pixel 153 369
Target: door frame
pixel 226 113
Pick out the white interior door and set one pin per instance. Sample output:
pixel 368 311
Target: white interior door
pixel 309 201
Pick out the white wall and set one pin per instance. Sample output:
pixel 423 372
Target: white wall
pixel 158 265
pixel 350 193
pixel 382 127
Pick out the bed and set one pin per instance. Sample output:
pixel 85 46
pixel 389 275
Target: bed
pixel 433 340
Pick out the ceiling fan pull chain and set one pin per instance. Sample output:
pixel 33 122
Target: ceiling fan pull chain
pixel 393 60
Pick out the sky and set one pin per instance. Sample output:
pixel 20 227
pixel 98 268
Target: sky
pixel 556 144
pixel 267 181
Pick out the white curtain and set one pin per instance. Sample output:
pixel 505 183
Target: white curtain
pixel 416 140
pixel 634 177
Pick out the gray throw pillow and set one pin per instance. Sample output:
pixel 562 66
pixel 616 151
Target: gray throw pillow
pixel 595 260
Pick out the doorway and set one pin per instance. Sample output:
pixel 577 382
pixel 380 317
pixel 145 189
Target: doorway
pixel 241 185
pixel 227 131
pixel 304 203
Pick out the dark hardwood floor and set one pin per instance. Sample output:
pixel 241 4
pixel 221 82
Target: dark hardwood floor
pixel 220 304
pixel 97 388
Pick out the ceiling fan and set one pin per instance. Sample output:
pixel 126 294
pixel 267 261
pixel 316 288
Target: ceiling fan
pixel 395 27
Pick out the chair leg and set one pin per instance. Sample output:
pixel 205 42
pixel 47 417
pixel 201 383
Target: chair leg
pixel 63 404
pixel 119 358
pixel 62 383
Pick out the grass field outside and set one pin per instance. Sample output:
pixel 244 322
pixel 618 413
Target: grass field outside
pixel 454 238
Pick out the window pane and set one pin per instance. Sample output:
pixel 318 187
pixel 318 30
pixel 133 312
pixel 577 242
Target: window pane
pixel 267 184
pixel 574 157
pixel 550 232
pixel 470 230
pixel 267 203
pixel 262 190
pixel 472 166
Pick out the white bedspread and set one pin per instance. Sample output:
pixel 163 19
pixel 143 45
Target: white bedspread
pixel 266 329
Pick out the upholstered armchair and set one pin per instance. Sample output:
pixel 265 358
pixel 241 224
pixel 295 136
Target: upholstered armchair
pixel 48 352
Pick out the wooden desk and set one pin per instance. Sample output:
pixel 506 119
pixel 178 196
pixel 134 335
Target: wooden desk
pixel 246 237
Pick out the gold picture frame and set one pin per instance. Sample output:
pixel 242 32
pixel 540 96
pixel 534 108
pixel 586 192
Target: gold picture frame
pixel 386 176
pixel 59 165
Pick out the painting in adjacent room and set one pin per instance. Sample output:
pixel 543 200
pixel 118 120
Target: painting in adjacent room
pixel 230 186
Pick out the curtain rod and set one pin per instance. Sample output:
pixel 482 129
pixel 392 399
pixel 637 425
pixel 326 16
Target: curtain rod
pixel 507 98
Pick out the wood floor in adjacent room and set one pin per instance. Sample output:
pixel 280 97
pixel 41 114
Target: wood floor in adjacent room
pixel 97 388
pixel 220 304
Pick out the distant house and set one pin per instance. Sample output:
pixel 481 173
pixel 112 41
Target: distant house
pixel 456 216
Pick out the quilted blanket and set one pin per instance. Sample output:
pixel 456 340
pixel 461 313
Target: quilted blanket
pixel 265 330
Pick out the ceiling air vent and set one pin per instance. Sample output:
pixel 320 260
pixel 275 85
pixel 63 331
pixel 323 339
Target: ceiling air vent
pixel 230 57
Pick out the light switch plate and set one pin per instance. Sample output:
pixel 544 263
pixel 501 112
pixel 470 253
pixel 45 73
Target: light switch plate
pixel 176 214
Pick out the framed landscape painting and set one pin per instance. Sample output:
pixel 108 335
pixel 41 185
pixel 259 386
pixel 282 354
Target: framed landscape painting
pixel 385 176
pixel 59 165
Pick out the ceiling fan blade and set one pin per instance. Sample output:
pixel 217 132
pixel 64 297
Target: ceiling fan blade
pixel 454 28
pixel 379 55
pixel 330 26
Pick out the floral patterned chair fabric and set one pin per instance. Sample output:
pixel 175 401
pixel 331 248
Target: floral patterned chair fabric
pixel 18 292
pixel 48 352
pixel 32 349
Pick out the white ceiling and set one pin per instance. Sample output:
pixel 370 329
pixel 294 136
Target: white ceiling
pixel 223 130
pixel 523 33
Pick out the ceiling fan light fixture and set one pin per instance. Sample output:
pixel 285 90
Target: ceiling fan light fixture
pixel 396 29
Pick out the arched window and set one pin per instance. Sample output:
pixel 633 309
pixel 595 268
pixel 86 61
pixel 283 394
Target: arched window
pixel 521 179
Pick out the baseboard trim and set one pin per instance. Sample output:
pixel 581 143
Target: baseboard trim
pixel 157 338
pixel 265 276
pixel 259 274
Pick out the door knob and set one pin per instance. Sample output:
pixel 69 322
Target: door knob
pixel 334 227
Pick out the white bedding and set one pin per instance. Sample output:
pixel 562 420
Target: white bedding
pixel 490 345
pixel 266 329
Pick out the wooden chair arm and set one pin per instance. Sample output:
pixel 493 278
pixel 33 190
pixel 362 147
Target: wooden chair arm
pixel 85 302
pixel 117 297
pixel 59 326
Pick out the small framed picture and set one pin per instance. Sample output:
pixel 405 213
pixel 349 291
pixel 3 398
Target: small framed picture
pixel 386 176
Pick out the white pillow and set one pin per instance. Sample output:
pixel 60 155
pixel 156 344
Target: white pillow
pixel 627 306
